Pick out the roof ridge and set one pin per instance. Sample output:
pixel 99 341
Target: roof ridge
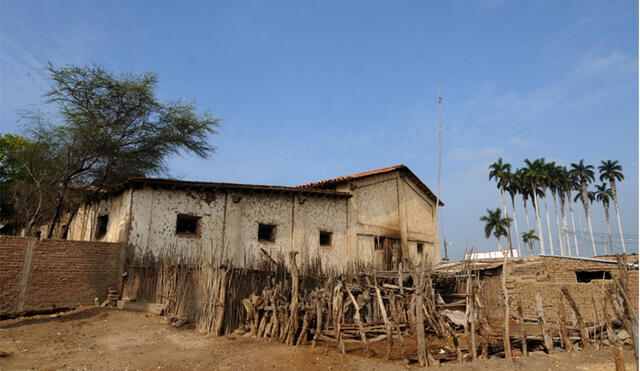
pixel 354 176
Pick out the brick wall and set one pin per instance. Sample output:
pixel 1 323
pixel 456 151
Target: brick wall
pixel 60 274
pixel 546 275
pixel 12 250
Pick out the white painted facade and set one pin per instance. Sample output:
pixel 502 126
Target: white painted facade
pixel 356 212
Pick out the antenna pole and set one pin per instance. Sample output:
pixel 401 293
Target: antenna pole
pixel 439 171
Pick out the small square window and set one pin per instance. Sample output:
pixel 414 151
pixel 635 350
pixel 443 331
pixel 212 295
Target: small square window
pixel 420 247
pixel 266 233
pixel 379 243
pixel 325 238
pixel 187 224
pixel 101 227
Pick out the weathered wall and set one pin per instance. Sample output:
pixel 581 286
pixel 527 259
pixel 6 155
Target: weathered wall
pixel 546 275
pixel 229 226
pixel 382 204
pixel 388 205
pixel 39 275
pixel 83 225
pixel 153 226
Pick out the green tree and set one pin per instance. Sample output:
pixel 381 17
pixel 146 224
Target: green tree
pixel 514 187
pixel 108 128
pixel 546 183
pixel 496 225
pixel 528 238
pixel 10 164
pixel 585 175
pixel 612 172
pixel 534 176
pixel 604 195
pixel 565 186
pixel 501 172
pixel 23 174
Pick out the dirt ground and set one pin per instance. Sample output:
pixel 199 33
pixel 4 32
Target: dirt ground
pixel 103 339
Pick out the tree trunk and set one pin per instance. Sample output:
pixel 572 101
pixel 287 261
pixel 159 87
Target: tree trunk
pixel 614 193
pixel 555 211
pixel 585 205
pixel 606 215
pixel 536 206
pixel 526 214
pixel 563 233
pixel 515 221
pixel 573 223
pixel 546 208
pixel 506 215
pixel 58 212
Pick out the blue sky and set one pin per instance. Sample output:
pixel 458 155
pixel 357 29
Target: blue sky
pixel 308 90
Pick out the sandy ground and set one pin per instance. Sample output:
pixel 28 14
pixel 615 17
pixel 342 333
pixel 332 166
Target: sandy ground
pixel 103 339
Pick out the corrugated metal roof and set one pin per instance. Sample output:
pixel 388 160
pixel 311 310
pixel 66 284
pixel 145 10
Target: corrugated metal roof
pixel 345 178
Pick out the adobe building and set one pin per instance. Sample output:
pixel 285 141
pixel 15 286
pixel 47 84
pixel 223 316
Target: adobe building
pixel 371 219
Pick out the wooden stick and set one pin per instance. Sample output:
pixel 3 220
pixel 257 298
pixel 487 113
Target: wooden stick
pixel 586 343
pixel 395 320
pixel 523 333
pixel 472 315
pixel 387 323
pixel 217 329
pixel 456 343
pixel 419 318
pixel 275 327
pixel 611 335
pixel 293 311
pixel 597 319
pixel 506 337
pixel 548 342
pixel 337 315
pixel 618 357
pixel 568 345
pixel 305 327
pixel 318 331
pixel 356 316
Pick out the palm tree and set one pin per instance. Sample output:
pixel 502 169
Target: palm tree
pixel 553 180
pixel 585 175
pixel 523 190
pixel 572 183
pixel 612 171
pixel 564 184
pixel 497 225
pixel 513 188
pixel 545 183
pixel 501 171
pixel 528 238
pixel 534 176
pixel 604 195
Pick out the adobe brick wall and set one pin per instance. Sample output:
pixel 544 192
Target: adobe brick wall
pixel 546 275
pixel 12 250
pixel 61 274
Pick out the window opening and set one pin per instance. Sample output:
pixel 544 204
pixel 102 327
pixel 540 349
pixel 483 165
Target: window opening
pixel 325 238
pixel 101 227
pixel 266 233
pixel 187 224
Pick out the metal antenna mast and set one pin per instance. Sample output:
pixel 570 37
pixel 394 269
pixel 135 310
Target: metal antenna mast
pixel 439 167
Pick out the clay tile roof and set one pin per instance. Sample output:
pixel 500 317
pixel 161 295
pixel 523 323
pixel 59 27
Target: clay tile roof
pixel 173 183
pixel 328 183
